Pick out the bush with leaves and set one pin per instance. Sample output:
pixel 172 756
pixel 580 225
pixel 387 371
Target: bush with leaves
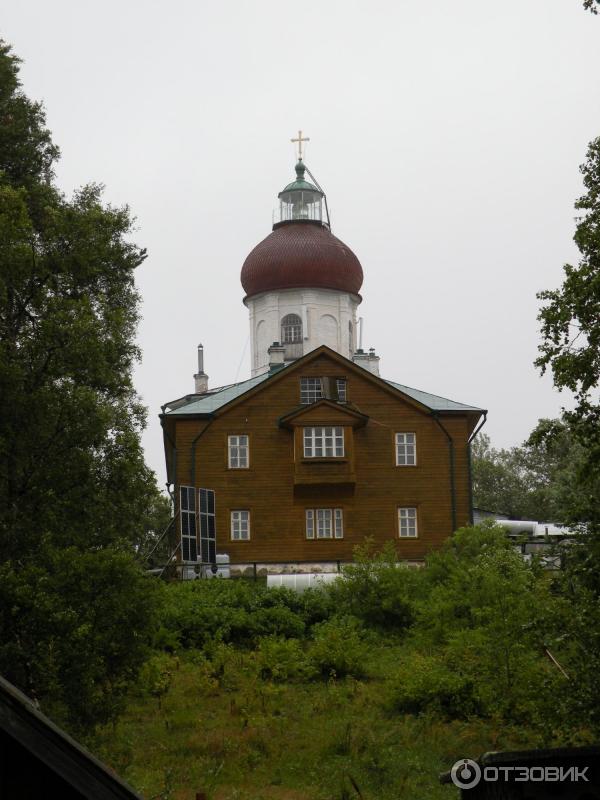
pixel 426 684
pixel 490 613
pixel 338 648
pixel 376 588
pixel 239 611
pixel 283 660
pixel 156 676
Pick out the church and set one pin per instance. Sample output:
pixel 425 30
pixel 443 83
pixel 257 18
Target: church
pixel 316 450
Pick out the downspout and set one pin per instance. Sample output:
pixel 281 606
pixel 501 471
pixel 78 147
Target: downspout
pixel 451 457
pixel 193 454
pixel 469 465
pixel 174 460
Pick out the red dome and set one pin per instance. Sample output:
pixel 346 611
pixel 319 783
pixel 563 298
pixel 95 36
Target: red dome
pixel 301 254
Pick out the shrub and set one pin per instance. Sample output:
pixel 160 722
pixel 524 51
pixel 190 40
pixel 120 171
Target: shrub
pixel 277 621
pixel 240 612
pixel 156 675
pixel 282 660
pixel 426 684
pixel 338 649
pixel 376 588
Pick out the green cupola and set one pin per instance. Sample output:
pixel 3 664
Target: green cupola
pixel 300 200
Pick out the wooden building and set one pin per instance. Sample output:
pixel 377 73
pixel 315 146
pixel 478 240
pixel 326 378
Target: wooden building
pixel 315 451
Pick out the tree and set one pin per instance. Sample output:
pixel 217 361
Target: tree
pixel 497 484
pixel 571 349
pixel 571 340
pixel 74 489
pixel 533 481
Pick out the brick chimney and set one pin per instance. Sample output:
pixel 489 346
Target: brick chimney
pixel 276 357
pixel 368 361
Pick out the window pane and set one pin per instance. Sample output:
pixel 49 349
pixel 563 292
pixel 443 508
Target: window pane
pixel 310 524
pixel 406 449
pixel 328 442
pixel 291 329
pixel 311 390
pixel 407 522
pixel 339 524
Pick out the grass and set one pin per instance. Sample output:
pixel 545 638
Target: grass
pixel 234 736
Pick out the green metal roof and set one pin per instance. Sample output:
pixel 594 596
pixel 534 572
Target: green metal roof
pixel 300 185
pixel 433 401
pixel 217 398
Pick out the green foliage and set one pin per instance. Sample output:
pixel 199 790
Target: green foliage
pixel 338 648
pixel 282 660
pixel 239 611
pixel 535 481
pixel 570 328
pixel 292 739
pixel 156 676
pixel 425 684
pixel 70 632
pixel 75 492
pixel 375 588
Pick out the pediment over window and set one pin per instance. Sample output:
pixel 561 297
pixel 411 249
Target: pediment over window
pixel 324 412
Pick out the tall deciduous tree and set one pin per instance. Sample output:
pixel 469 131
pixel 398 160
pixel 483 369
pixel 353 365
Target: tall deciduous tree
pixel 75 492
pixel 534 481
pixel 571 349
pixel 571 335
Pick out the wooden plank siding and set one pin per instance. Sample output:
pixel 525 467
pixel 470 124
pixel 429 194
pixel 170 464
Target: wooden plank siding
pixel 370 494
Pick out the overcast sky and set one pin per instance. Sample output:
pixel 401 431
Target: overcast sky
pixel 447 135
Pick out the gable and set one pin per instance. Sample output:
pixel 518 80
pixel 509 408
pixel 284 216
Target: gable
pixel 320 362
pixel 324 412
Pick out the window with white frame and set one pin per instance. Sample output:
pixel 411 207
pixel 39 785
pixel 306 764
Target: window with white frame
pixel 407 523
pixel 330 388
pixel 238 451
pixel 324 523
pixel 340 385
pixel 311 390
pixel 291 329
pixel 187 517
pixel 324 442
pixel 240 525
pixel 406 449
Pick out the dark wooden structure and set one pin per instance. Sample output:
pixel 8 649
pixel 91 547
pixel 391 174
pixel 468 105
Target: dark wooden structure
pixel 39 760
pixel 280 483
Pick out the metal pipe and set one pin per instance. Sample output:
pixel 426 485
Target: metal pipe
pixel 316 182
pixel 193 454
pixel 451 457
pixel 174 458
pixel 470 465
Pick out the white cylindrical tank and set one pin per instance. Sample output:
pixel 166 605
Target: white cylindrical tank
pixel 301 581
pixel 516 526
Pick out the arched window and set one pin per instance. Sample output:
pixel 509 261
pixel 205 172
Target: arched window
pixel 291 329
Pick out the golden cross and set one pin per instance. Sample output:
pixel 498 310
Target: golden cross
pixel 300 139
